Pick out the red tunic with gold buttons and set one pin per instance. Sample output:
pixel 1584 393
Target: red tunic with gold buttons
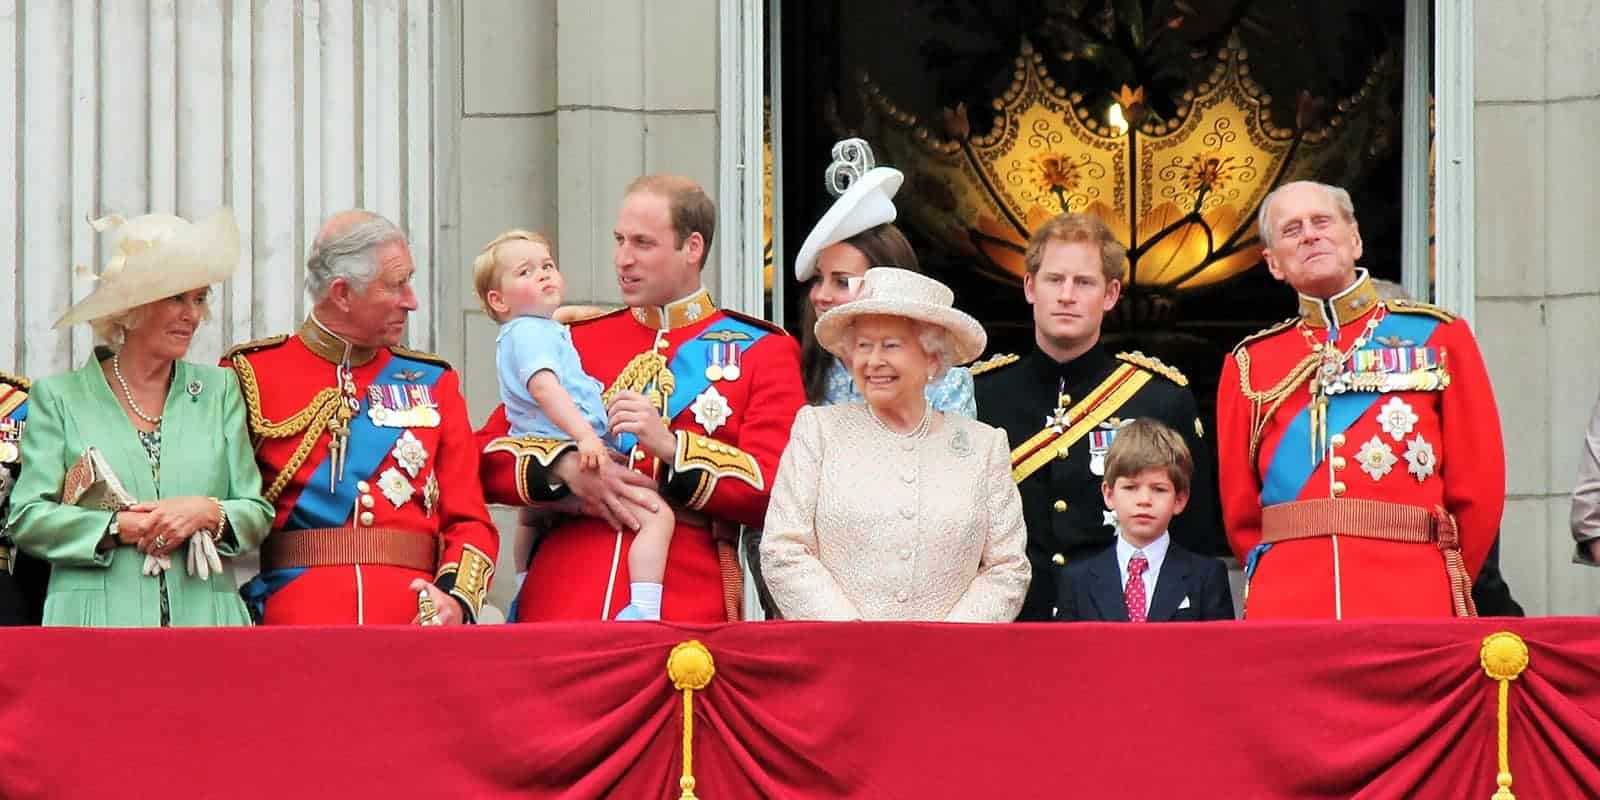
pixel 732 389
pixel 408 468
pixel 1408 421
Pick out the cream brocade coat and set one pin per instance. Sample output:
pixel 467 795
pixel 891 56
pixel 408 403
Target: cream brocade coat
pixel 867 524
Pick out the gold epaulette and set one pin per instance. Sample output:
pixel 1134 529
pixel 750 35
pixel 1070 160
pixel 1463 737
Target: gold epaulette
pixel 992 363
pixel 1414 307
pixel 259 344
pixel 16 380
pixel 1270 330
pixel 419 355
pixel 756 321
pixel 1155 365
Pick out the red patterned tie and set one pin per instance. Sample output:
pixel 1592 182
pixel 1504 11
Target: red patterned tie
pixel 1133 593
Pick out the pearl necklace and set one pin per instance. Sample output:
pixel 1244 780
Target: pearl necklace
pixel 127 393
pixel 915 433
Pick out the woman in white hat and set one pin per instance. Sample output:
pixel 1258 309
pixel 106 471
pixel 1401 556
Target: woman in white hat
pixel 858 232
pixel 139 456
pixel 890 509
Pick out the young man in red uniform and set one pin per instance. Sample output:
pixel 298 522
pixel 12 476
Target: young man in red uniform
pixel 365 450
pixel 706 398
pixel 1360 461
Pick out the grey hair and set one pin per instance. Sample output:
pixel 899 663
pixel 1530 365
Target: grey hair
pixel 349 252
pixel 1338 195
pixel 934 340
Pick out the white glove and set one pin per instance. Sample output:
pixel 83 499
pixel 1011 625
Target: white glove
pixel 203 559
pixel 155 565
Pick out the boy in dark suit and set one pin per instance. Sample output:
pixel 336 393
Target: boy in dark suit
pixel 1144 576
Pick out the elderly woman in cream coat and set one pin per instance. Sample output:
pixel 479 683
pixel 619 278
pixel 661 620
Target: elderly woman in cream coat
pixel 887 509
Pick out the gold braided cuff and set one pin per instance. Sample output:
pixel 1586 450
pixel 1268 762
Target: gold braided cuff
pixel 471 576
pixel 714 461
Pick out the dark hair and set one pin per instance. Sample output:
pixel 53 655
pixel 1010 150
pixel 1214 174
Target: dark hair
pixel 1148 444
pixel 884 246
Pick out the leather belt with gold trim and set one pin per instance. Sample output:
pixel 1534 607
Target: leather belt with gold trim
pixel 1376 519
pixel 327 547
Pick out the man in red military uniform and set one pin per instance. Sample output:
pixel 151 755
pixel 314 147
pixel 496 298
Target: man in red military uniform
pixel 1360 461
pixel 705 398
pixel 365 450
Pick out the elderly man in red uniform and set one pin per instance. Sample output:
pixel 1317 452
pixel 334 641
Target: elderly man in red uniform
pixel 365 450
pixel 1360 461
pixel 705 398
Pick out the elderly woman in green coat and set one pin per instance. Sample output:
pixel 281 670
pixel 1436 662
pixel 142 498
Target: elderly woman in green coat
pixel 138 483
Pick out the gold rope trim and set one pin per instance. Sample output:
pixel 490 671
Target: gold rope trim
pixel 1272 398
pixel 311 420
pixel 1503 656
pixel 691 668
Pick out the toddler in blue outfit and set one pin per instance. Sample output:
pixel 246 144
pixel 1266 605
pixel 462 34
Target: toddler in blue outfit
pixel 548 395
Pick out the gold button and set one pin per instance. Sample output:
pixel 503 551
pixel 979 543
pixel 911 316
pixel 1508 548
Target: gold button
pixel 366 501
pixel 1338 462
pixel 1061 505
pixel 1337 440
pixel 366 518
pixel 1062 454
pixel 1338 488
pixel 1058 560
pixel 363 487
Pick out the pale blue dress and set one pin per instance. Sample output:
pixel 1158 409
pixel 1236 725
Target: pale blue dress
pixel 951 394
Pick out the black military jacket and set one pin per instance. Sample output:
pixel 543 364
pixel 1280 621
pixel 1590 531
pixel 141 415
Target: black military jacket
pixel 1061 502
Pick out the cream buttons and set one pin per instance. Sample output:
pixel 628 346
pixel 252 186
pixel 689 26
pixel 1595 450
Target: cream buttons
pixel 905 554
pixel 901 597
pixel 907 512
pixel 909 477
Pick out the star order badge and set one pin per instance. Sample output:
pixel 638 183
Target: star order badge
pixel 395 487
pixel 1419 457
pixel 1397 418
pixel 1376 458
pixel 711 409
pixel 410 454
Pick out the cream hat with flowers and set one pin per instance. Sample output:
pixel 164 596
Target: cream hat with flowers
pixel 895 292
pixel 157 256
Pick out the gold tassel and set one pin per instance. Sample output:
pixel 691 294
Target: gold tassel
pixel 1504 656
pixel 691 668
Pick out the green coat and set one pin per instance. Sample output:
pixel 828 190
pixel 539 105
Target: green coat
pixel 205 451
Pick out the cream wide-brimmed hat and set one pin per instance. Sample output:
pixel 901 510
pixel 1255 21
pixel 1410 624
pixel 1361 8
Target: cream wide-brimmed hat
pixel 866 203
pixel 158 256
pixel 895 292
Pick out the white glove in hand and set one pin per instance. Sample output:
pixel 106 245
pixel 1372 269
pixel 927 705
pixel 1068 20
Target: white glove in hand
pixel 203 558
pixel 155 565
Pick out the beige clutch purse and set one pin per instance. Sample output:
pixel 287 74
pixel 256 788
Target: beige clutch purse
pixel 91 483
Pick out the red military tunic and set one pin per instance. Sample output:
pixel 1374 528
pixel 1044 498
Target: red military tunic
pixel 1411 422
pixel 729 440
pixel 415 476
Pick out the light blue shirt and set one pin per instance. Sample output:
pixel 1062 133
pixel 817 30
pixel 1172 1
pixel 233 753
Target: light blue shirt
pixel 951 394
pixel 526 345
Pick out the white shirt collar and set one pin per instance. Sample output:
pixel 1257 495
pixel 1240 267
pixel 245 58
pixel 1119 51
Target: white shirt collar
pixel 1155 553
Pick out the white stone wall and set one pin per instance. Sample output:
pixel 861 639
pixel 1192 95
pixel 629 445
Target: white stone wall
pixel 1538 310
pixel 282 110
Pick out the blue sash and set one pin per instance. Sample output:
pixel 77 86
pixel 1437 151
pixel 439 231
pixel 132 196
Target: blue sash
pixel 317 507
pixel 689 364
pixel 20 413
pixel 1292 464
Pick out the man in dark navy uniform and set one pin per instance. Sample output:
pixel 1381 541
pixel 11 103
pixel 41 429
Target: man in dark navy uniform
pixel 1062 404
